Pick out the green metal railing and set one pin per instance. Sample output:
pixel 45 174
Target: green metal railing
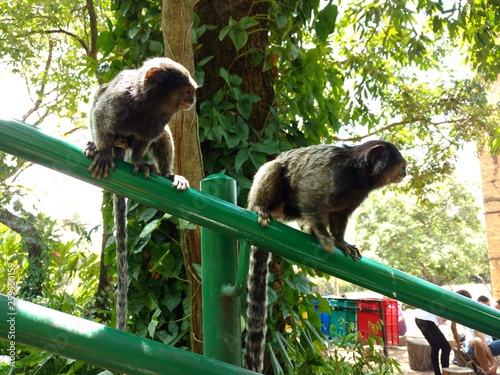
pixel 28 142
pixel 66 335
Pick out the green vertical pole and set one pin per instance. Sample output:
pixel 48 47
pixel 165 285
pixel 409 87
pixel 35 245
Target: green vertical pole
pixel 219 257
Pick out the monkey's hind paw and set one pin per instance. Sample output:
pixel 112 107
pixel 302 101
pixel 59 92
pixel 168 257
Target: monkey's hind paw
pixel 327 243
pixel 101 165
pixel 349 250
pixel 90 150
pixel 146 167
pixel 264 216
pixel 180 182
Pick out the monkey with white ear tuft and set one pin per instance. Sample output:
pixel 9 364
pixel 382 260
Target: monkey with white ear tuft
pixel 319 186
pixel 132 112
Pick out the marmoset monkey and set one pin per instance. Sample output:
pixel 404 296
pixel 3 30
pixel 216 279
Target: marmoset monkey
pixel 319 186
pixel 131 112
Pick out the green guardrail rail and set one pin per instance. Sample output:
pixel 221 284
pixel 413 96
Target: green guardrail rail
pixel 28 142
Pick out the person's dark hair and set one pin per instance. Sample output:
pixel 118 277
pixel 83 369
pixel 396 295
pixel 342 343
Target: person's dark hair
pixel 483 299
pixel 464 293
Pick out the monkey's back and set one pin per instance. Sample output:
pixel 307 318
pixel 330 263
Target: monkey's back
pixel 316 178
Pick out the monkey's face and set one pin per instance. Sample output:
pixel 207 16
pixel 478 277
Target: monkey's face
pixel 398 172
pixel 170 86
pixel 387 164
pixel 189 98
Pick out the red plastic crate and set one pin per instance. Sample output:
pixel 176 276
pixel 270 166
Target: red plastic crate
pixel 371 311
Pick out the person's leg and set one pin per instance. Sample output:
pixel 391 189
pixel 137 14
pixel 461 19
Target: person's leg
pixel 480 352
pixel 442 343
pixel 426 328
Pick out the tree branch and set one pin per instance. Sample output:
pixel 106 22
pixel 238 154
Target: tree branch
pixel 41 91
pixel 92 52
pixel 393 125
pixel 62 31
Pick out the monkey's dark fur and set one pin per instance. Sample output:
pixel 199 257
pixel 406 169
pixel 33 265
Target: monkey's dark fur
pixel 131 112
pixel 319 186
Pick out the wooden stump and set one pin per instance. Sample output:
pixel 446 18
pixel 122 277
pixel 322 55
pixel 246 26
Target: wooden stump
pixel 419 354
pixel 457 370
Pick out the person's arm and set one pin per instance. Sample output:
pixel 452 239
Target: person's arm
pixel 455 334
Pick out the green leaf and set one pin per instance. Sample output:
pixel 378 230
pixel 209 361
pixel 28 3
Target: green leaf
pixel 325 24
pixel 173 301
pixel 247 22
pixel 133 31
pixel 147 213
pixel 165 265
pixel 232 139
pixel 258 158
pixel 156 47
pixel 106 42
pixel 224 31
pixel 245 104
pixel 241 157
pixel 148 229
pixel 282 20
pixel 239 37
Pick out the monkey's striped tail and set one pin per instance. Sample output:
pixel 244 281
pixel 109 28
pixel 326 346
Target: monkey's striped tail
pixel 120 207
pixel 256 326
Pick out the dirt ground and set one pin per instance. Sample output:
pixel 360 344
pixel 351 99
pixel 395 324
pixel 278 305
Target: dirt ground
pixel 400 354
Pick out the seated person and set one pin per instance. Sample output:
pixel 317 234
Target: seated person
pixel 476 345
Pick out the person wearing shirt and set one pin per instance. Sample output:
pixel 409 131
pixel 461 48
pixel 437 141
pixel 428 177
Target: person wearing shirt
pixel 428 324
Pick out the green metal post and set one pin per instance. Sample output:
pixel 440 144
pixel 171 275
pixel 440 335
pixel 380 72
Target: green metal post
pixel 219 259
pixel 25 141
pixel 24 323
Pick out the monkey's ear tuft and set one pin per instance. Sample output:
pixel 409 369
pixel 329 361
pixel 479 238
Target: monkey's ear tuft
pixel 377 158
pixel 155 74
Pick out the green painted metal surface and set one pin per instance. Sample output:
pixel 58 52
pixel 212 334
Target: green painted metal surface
pixel 106 347
pixel 219 258
pixel 27 142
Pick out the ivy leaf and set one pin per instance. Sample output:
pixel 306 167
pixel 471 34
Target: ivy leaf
pixel 165 265
pixel 245 104
pixel 156 47
pixel 241 157
pixel 148 229
pixel 232 139
pixel 247 22
pixel 239 37
pixel 173 301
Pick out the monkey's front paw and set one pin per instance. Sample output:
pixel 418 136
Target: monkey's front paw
pixel 90 150
pixel 264 216
pixel 349 250
pixel 180 183
pixel 146 167
pixel 101 165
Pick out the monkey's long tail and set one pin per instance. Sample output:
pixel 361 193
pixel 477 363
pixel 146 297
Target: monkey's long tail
pixel 120 206
pixel 256 327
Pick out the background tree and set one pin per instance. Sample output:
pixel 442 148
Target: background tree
pixel 442 241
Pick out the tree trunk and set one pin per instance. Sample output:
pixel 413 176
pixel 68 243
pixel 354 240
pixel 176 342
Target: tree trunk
pixel 419 355
pixel 457 370
pixel 31 285
pixel 177 19
pixel 490 173
pixel 242 62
